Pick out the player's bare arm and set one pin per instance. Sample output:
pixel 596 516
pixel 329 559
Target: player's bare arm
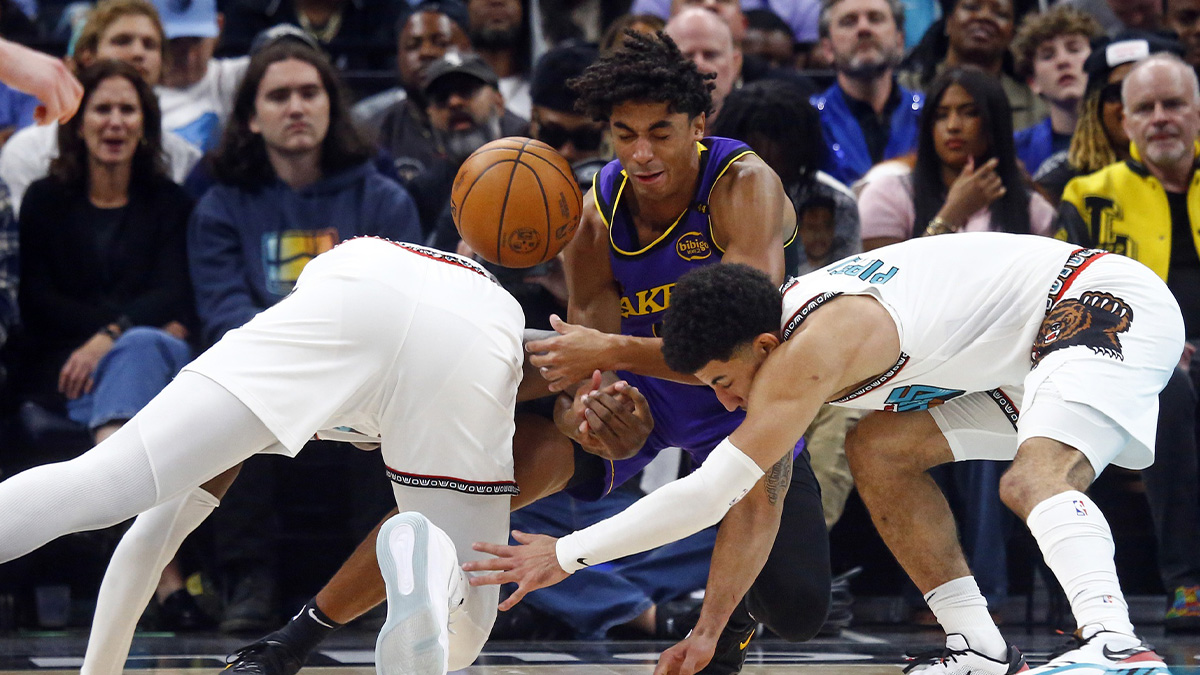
pixel 752 216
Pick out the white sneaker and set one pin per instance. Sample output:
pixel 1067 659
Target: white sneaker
pixel 957 658
pixel 420 569
pixel 1103 651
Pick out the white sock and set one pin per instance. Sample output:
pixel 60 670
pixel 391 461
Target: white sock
pixel 1078 547
pixel 133 574
pixel 961 608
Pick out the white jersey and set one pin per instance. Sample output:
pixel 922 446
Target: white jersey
pixel 971 311
pixel 388 342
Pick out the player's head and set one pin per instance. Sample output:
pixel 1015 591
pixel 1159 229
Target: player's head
pixel 722 323
pixel 655 102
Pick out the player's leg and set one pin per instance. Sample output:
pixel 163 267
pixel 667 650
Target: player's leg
pixel 130 579
pixel 188 434
pixel 890 454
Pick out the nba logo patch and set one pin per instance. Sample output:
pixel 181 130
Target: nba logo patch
pixel 1080 508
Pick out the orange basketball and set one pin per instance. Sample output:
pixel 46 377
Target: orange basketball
pixel 515 202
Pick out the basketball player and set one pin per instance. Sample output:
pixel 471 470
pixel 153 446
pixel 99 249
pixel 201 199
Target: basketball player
pixel 380 342
pixel 674 200
pixel 42 76
pixel 976 346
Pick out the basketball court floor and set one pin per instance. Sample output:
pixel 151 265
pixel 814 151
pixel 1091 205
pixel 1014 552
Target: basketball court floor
pixel 861 651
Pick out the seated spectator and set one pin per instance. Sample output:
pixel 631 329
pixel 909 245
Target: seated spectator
pixel 502 34
pixel 586 20
pixel 977 33
pixel 799 15
pixel 465 110
pixel 641 23
pixel 966 176
pixel 104 294
pixel 294 178
pixel 769 39
pixel 1183 17
pixel 196 92
pixel 125 30
pixel 708 42
pixel 1100 137
pixel 1119 16
pixel 425 36
pixel 1049 51
pixel 355 35
pixel 866 116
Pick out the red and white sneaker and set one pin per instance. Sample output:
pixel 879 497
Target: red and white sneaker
pixel 957 658
pixel 1092 650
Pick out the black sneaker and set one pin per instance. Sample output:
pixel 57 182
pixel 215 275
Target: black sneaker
pixel 730 654
pixel 180 613
pixel 265 657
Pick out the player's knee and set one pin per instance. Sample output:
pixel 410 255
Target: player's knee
pixel 795 614
pixel 1017 487
pixel 867 444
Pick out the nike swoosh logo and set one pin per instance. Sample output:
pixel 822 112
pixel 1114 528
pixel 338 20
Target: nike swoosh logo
pixel 742 645
pixel 312 614
pixel 581 561
pixel 1122 654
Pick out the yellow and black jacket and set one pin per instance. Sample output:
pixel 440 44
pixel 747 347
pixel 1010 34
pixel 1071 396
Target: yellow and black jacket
pixel 1123 208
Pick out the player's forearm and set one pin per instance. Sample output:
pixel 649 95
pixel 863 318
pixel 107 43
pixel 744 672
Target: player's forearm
pixel 744 542
pixel 643 356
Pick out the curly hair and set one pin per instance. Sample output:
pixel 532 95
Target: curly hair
pixel 714 311
pixel 241 159
pixel 71 165
pixel 649 69
pixel 1010 213
pixel 1039 27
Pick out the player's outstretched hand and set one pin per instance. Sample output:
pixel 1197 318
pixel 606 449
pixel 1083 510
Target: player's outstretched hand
pixel 687 657
pixel 531 565
pixel 42 76
pixel 570 356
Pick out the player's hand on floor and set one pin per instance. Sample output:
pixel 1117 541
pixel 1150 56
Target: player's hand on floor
pixel 531 565
pixel 569 357
pixel 687 657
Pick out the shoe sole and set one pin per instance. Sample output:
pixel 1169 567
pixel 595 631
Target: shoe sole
pixel 408 643
pixel 1149 666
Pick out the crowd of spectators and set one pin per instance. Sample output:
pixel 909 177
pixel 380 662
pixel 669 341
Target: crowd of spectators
pixel 222 144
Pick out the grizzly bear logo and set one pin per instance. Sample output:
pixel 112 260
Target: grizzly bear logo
pixel 1092 321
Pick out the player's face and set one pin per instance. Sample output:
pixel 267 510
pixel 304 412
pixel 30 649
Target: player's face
pixel 112 123
pixel 958 128
pixel 1058 68
pixel 291 109
pixel 731 379
pixel 863 39
pixel 657 147
pixel 134 39
pixel 1183 16
pixel 1162 115
pixel 425 38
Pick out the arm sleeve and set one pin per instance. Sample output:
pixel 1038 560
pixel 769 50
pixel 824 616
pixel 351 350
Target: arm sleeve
pixel 217 263
pixel 885 209
pixel 672 512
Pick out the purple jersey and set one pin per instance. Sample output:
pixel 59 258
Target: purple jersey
pixel 685 416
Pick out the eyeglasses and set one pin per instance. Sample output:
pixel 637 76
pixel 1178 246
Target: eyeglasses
pixel 585 138
pixel 1111 93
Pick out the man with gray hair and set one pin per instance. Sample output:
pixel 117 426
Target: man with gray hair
pixel 866 116
pixel 708 42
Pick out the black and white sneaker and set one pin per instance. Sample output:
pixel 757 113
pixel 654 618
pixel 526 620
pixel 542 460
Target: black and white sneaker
pixel 957 658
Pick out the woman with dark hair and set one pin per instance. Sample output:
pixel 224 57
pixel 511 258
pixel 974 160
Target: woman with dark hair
pixel 104 293
pixel 966 176
pixel 777 121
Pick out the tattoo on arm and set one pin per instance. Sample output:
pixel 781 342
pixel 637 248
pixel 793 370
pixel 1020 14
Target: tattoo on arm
pixel 778 478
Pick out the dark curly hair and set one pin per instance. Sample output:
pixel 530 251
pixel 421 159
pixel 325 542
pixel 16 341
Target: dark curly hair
pixel 71 165
pixel 647 68
pixel 714 311
pixel 241 159
pixel 775 114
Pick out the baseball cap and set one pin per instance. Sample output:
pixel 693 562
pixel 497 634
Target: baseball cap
pixel 279 33
pixel 461 64
pixel 1127 47
pixel 188 18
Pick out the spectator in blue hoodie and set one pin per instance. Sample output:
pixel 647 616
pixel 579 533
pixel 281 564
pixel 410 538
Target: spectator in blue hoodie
pixel 294 179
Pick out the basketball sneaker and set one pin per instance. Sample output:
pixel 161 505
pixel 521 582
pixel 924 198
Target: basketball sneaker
pixel 1103 651
pixel 957 658
pixel 423 579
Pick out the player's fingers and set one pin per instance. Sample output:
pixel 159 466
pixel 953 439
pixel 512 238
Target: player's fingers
pixel 496 579
pixel 513 599
pixel 559 326
pixel 502 550
pixel 524 537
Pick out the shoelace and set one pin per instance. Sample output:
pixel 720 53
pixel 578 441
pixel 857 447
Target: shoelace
pixel 937 655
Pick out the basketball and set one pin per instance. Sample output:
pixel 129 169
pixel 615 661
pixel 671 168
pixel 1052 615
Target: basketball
pixel 515 202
